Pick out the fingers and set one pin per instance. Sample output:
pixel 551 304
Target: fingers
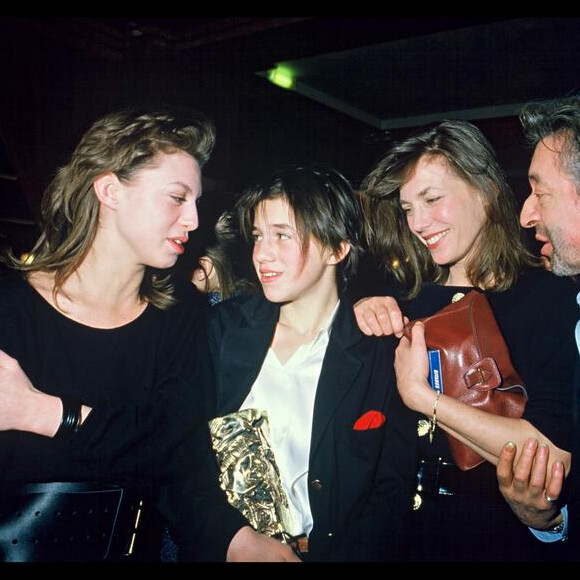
pixel 418 336
pixel 379 316
pixel 539 474
pixel 525 465
pixel 505 465
pixel 554 488
pixel 390 317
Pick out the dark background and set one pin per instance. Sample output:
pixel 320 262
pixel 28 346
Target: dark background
pixel 60 74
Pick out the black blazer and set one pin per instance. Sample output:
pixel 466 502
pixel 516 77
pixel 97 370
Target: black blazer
pixel 361 480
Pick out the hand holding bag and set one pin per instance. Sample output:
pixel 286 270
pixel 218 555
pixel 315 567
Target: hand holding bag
pixel 469 360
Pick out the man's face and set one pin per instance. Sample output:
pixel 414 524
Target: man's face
pixel 553 208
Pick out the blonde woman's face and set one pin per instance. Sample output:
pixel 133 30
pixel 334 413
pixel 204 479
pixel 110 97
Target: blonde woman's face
pixel 156 210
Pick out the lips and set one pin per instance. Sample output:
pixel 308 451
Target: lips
pixel 546 249
pixel 268 276
pixel 178 244
pixel 431 241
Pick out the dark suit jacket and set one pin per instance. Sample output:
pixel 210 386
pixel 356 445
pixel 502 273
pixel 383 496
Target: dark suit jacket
pixel 361 481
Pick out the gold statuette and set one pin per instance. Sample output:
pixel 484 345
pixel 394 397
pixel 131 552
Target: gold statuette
pixel 248 471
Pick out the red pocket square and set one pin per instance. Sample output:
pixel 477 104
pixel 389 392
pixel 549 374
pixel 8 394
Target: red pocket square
pixel 370 420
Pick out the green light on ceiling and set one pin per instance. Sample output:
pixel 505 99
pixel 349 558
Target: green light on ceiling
pixel 281 77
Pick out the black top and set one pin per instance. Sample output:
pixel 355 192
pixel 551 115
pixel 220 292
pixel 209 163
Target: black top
pixel 136 378
pixel 537 318
pixel 149 384
pixel 360 477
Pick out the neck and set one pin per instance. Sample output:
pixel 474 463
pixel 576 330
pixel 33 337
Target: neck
pixel 307 317
pixel 107 280
pixel 457 276
pixel 101 293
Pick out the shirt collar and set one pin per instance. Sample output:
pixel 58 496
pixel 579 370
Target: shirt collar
pixel 324 332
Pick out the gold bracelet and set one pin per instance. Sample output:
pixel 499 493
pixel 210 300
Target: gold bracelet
pixel 433 422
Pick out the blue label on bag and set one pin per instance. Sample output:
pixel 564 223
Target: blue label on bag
pixel 435 376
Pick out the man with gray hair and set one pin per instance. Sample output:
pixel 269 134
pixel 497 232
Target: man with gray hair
pixel 533 488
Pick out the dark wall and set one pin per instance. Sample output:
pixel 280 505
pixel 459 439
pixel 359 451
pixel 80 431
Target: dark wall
pixel 55 87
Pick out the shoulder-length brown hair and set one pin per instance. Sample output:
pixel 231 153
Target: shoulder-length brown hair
pixel 501 252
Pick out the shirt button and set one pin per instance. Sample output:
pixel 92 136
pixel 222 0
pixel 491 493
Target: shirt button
pixel 316 484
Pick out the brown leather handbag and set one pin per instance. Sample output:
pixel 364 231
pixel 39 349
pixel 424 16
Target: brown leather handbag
pixel 469 360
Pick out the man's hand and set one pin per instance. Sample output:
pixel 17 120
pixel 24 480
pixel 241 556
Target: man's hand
pixel 250 546
pixel 379 315
pixel 526 485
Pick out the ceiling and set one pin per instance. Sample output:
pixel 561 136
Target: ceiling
pixel 471 72
pixel 388 72
pixel 356 80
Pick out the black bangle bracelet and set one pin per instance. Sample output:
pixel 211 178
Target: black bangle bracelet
pixel 71 418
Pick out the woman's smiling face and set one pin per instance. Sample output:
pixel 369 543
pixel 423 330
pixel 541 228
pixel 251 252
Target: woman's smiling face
pixel 445 212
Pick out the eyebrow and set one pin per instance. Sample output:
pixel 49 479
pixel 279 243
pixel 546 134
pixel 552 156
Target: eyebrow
pixel 282 226
pixel 421 194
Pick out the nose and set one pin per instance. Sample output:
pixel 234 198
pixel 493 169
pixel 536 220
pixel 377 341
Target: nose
pixel 263 251
pixel 529 215
pixel 418 220
pixel 189 218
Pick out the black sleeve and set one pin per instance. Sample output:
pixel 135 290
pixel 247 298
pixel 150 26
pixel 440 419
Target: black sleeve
pixel 143 438
pixel 537 318
pixel 201 520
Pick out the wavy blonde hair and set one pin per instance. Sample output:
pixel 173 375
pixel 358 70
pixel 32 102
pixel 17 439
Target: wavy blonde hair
pixel 123 143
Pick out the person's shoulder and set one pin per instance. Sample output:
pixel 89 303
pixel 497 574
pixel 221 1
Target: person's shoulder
pixel 238 306
pixel 11 282
pixel 188 303
pixel 538 281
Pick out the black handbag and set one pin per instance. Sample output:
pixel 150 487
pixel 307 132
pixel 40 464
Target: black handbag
pixel 68 522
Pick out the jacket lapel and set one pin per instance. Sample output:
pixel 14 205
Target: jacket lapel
pixel 243 351
pixel 340 369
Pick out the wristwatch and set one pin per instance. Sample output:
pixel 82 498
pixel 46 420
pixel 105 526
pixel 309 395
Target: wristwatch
pixel 557 528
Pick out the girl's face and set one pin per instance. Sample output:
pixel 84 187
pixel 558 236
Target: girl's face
pixel 157 208
pixel 445 212
pixel 286 269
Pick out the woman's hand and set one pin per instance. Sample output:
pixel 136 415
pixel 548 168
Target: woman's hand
pixel 412 370
pixel 22 407
pixel 379 316
pixel 250 546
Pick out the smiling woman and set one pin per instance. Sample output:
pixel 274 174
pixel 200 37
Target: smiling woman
pixel 439 206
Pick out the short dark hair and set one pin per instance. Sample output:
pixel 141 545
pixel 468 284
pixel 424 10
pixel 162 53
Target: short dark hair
pixel 558 118
pixel 324 205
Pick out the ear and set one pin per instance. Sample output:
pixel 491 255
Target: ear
pixel 339 256
pixel 198 274
pixel 106 188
